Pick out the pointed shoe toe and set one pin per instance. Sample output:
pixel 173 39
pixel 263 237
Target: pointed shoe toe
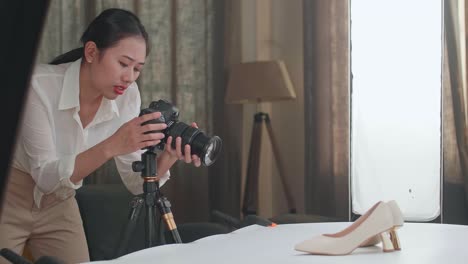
pixel 375 222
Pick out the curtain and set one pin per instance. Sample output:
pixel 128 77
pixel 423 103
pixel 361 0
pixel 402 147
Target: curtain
pixel 454 115
pixel 185 66
pixel 326 106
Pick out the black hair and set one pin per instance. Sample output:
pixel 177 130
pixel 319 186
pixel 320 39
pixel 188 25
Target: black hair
pixel 106 30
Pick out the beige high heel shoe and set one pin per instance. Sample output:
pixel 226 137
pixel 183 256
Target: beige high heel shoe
pixel 398 222
pixel 377 221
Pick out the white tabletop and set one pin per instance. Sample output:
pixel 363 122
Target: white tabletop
pixel 421 243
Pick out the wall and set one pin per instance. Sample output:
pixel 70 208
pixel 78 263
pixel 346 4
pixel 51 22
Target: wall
pixel 272 29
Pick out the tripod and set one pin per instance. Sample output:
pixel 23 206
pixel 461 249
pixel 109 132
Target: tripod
pixel 250 202
pixel 151 198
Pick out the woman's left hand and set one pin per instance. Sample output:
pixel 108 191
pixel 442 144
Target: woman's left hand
pixel 177 151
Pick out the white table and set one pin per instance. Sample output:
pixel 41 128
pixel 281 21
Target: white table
pixel 421 243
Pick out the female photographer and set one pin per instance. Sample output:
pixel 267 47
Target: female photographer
pixel 81 111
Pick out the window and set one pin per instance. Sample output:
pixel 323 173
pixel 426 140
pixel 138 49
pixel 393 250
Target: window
pixel 396 67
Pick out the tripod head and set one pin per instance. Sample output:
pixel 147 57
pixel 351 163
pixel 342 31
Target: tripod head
pixel 149 172
pixel 147 166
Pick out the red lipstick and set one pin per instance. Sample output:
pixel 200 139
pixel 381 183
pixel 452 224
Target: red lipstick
pixel 118 89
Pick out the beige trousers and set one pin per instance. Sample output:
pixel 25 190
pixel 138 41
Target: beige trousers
pixel 55 229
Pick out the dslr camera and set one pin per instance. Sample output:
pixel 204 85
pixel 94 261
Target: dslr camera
pixel 207 148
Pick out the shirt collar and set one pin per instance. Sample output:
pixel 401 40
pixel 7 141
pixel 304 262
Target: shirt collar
pixel 70 96
pixel 107 110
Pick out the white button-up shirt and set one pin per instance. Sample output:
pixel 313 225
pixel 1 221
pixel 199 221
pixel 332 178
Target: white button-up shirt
pixel 52 135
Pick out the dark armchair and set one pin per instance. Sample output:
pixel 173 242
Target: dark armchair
pixel 104 209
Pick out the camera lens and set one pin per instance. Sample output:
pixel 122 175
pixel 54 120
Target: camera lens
pixel 212 150
pixel 207 148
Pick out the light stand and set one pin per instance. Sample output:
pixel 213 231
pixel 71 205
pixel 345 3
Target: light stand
pixel 151 198
pixel 256 82
pixel 250 203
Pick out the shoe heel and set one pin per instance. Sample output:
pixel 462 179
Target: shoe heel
pixel 394 239
pixel 387 245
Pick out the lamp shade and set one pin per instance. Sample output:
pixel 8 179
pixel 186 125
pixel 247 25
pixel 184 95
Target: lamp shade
pixel 259 81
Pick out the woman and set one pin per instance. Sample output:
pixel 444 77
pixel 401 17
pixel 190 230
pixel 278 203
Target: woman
pixel 81 111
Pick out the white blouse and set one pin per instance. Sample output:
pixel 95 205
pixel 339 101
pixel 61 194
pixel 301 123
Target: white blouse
pixel 52 135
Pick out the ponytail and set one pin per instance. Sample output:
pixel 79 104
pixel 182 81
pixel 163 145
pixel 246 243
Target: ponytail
pixel 70 56
pixel 105 31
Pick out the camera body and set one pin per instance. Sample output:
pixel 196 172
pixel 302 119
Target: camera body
pixel 207 148
pixel 169 116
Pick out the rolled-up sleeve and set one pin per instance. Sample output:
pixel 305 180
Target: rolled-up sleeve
pixel 48 169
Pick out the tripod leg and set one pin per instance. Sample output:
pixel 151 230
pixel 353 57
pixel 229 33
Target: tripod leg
pixel 135 210
pixel 161 225
pixel 250 203
pixel 165 209
pixel 150 194
pixel 279 162
pixel 150 234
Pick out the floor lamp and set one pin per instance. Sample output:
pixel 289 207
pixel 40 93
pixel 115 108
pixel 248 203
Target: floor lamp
pixel 256 82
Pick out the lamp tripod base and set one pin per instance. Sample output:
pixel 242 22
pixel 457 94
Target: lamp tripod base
pixel 250 202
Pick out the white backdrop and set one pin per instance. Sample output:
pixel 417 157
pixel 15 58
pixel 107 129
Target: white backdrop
pixel 396 54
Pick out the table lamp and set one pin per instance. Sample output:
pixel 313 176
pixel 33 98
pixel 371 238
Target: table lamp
pixel 256 82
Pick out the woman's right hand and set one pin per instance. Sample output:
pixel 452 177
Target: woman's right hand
pixel 131 136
